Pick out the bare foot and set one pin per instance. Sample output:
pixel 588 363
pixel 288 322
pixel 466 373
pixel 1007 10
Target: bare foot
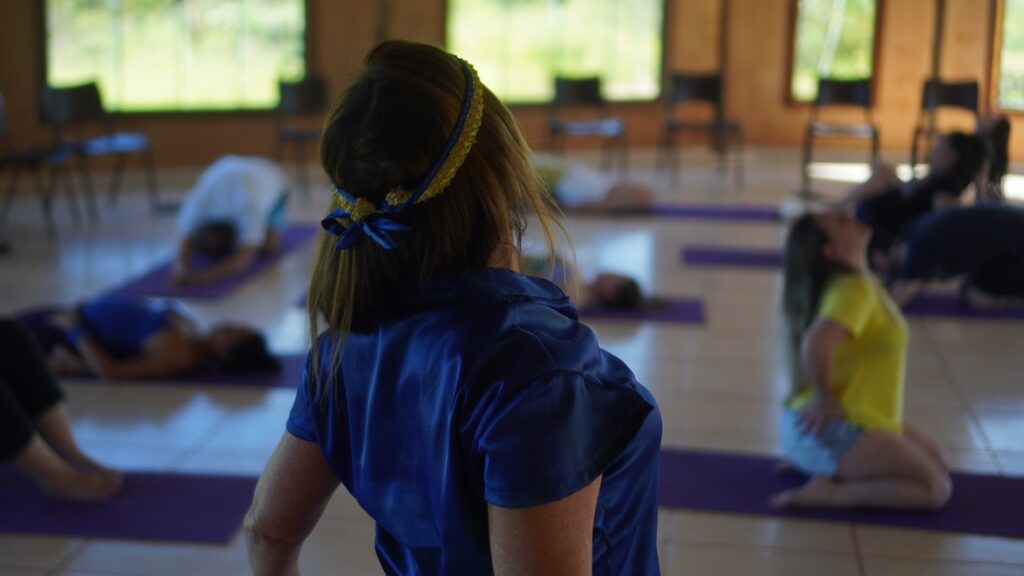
pixel 815 492
pixel 84 486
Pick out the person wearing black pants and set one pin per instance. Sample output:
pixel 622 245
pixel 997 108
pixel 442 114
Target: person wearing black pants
pixel 35 434
pixel 982 244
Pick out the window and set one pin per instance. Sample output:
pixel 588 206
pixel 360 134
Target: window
pixel 1010 77
pixel 177 55
pixel 832 39
pixel 519 46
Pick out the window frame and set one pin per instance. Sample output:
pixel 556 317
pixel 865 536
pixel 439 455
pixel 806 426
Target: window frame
pixel 997 11
pixel 876 55
pixel 528 105
pixel 42 72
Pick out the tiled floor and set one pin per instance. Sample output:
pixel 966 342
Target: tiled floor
pixel 718 386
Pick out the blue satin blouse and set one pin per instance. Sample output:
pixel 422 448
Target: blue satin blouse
pixel 484 388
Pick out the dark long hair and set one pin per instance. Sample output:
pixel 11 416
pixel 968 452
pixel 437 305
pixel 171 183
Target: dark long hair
pixel 971 153
pixel 806 274
pixel 385 132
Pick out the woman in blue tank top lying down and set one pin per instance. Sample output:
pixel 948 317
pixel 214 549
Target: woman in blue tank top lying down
pixel 124 337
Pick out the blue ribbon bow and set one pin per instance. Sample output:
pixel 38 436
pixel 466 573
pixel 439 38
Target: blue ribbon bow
pixel 376 226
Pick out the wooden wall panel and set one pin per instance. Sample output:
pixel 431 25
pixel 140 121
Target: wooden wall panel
pixel 343 30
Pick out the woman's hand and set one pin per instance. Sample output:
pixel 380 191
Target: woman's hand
pixel 818 411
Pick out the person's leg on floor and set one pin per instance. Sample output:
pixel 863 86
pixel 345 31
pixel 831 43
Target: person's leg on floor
pixel 881 470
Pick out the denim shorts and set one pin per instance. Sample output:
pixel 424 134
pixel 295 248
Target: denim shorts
pixel 817 455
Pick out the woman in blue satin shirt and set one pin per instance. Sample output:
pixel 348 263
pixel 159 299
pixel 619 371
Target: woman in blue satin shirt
pixel 460 402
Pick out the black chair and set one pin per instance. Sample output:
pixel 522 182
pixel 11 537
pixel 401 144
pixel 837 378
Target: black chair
pixel 80 108
pixel 936 95
pixel 305 98
pixel 833 93
pixel 687 89
pixel 584 94
pixel 53 160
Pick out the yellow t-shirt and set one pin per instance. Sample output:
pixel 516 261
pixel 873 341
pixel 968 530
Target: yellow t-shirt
pixel 868 369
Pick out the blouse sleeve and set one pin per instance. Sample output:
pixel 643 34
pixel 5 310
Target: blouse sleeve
pixel 549 438
pixel 849 301
pixel 300 421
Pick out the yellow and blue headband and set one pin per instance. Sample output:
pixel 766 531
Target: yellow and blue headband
pixel 357 216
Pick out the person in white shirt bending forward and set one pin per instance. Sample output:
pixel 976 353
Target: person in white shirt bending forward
pixel 235 213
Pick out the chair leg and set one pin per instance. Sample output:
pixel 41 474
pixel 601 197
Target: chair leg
pixel 623 150
pixel 86 179
pixel 663 161
pixel 12 189
pixel 719 141
pixel 914 151
pixel 115 178
pixel 805 165
pixel 46 194
pixel 675 153
pixel 149 164
pixel 874 148
pixel 69 189
pixel 278 153
pixel 737 156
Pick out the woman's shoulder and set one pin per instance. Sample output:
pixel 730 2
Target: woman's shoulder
pixel 852 288
pixel 853 284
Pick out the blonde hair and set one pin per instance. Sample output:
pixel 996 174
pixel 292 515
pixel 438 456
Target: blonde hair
pixel 386 132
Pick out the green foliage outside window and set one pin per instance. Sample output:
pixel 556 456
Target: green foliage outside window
pixel 834 39
pixel 177 55
pixel 1011 57
pixel 519 46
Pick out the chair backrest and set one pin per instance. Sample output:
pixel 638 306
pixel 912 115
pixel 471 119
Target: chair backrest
pixel 686 88
pixel 938 94
pixel 307 96
pixel 833 92
pixel 578 92
pixel 72 105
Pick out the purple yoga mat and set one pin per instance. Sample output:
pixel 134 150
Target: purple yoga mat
pixel 951 306
pixel 732 257
pixel 157 282
pixel 167 507
pixel 681 311
pixel 290 376
pixel 734 212
pixel 743 484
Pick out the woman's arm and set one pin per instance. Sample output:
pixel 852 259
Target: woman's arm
pixel 817 352
pixel 883 177
pixel 291 495
pixel 553 539
pixel 239 261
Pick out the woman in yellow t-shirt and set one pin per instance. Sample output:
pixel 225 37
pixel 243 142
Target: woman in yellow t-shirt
pixel 843 422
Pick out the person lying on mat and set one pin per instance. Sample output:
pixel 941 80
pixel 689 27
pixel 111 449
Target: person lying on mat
pixel 236 212
pixel 122 337
pixel 984 245
pixel 580 188
pixel 606 290
pixel 35 435
pixel 842 424
pixel 460 402
pixel 887 204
